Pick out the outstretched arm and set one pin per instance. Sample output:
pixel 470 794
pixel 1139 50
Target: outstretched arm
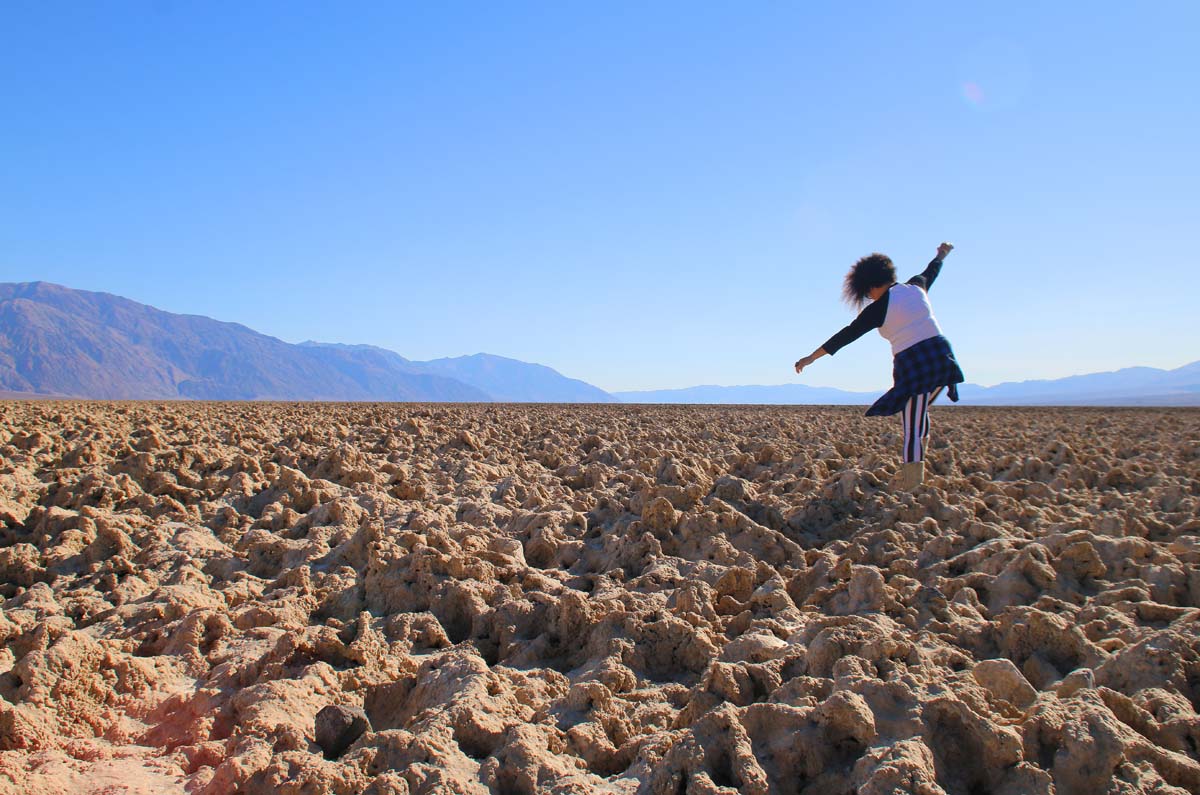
pixel 869 318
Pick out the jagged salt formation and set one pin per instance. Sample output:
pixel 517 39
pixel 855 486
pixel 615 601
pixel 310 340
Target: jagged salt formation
pixel 624 599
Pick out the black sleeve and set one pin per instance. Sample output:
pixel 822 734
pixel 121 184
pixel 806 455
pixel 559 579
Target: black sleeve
pixel 869 318
pixel 925 279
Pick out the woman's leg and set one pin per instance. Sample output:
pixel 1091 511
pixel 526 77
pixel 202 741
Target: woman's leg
pixel 916 419
pixel 925 428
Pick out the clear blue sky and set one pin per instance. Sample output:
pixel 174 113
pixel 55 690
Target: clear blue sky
pixel 641 195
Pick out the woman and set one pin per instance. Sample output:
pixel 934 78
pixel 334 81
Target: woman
pixel 922 363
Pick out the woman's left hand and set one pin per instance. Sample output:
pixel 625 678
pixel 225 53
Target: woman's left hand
pixel 805 362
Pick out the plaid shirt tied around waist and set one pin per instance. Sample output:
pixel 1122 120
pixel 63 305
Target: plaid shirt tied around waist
pixel 918 369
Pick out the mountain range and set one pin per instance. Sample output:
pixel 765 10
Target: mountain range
pixel 64 342
pixel 56 341
pixel 1131 386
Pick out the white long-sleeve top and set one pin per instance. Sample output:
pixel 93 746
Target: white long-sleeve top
pixel 903 315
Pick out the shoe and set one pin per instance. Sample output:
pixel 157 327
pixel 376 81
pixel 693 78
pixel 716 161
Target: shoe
pixel 912 475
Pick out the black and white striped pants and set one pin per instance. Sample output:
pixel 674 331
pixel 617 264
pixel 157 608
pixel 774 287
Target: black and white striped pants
pixel 916 425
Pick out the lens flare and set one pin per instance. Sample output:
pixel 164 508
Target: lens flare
pixel 973 93
pixel 995 75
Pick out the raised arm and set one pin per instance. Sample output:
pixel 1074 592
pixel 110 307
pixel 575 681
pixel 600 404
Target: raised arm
pixel 924 280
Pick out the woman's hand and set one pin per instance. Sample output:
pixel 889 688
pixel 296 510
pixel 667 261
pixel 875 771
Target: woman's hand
pixel 812 357
pixel 944 249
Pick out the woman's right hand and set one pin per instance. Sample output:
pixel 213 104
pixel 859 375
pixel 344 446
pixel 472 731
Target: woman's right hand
pixel 944 249
pixel 812 357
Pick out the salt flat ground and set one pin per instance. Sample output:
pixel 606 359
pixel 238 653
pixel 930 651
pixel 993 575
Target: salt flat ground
pixel 597 598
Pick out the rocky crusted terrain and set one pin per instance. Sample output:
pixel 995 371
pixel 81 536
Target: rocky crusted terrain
pixel 532 599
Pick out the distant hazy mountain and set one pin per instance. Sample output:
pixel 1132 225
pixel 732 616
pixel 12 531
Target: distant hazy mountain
pixel 503 379
pixel 55 340
pixel 781 394
pixel 1132 386
pixel 514 381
